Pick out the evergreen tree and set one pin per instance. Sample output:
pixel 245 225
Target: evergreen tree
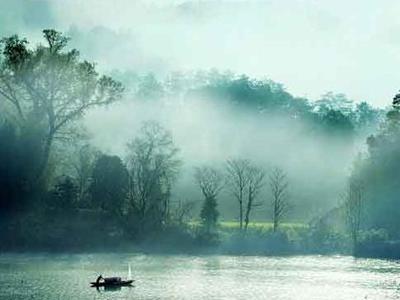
pixel 209 214
pixel 210 183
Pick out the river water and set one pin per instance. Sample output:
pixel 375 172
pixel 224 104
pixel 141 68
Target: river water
pixel 53 277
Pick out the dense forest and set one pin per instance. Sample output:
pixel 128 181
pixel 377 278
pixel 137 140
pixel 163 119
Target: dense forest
pixel 218 162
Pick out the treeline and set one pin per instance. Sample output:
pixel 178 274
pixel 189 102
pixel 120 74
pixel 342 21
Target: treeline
pixel 130 197
pixel 332 113
pixel 377 174
pixel 368 212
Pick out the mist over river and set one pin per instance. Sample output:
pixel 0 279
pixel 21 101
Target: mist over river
pixel 43 276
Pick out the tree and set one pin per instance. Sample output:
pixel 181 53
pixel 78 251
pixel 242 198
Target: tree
pixel 210 182
pixel 83 167
pixel 50 86
pixel 337 102
pixel 64 195
pixel 238 181
pixel 338 123
pixel 245 182
pixel 279 185
pixel 149 88
pixel 183 211
pixel 256 177
pixel 20 151
pixel 354 204
pixel 153 166
pixel 109 184
pixel 366 116
pixel 378 174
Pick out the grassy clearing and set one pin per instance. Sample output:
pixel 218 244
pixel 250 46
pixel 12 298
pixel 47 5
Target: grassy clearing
pixel 234 225
pixel 293 230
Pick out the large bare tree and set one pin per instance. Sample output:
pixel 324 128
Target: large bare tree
pixel 153 166
pixel 237 178
pixel 245 182
pixel 256 177
pixel 279 185
pixel 50 86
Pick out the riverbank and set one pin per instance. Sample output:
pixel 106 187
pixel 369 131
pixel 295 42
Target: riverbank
pixel 77 237
pixel 83 235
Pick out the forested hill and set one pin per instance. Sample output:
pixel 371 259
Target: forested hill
pixel 333 112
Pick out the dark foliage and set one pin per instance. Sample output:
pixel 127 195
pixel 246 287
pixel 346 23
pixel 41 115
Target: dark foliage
pixel 109 183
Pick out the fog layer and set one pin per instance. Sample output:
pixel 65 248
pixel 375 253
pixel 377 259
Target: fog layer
pixel 310 46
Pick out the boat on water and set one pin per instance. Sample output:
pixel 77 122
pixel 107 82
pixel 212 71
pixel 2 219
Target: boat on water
pixel 110 282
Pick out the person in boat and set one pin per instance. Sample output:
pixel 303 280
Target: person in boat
pixel 108 280
pixel 111 281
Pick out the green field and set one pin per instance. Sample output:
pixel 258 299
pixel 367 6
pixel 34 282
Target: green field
pixel 233 225
pixel 228 228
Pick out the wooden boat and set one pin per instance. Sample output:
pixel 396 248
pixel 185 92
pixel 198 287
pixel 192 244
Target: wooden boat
pixel 111 282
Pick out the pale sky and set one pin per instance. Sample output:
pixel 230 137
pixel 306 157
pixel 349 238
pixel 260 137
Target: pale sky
pixel 310 46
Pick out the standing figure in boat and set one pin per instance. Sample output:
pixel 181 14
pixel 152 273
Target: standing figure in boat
pixel 98 279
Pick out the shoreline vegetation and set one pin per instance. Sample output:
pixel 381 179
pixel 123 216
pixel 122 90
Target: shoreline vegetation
pixel 291 240
pixel 60 193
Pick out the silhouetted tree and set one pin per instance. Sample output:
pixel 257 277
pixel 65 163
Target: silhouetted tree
pixel 237 175
pixel 20 152
pixel 153 166
pixel 256 177
pixel 336 122
pixel 279 185
pixel 354 205
pixel 245 182
pixel 50 86
pixel 64 195
pixel 109 184
pixel 83 169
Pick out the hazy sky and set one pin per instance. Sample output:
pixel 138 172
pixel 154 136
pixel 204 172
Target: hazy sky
pixel 310 46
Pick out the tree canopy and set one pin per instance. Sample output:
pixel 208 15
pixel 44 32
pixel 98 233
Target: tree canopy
pixel 50 86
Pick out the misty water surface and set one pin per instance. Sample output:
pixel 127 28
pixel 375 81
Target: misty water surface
pixel 199 277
